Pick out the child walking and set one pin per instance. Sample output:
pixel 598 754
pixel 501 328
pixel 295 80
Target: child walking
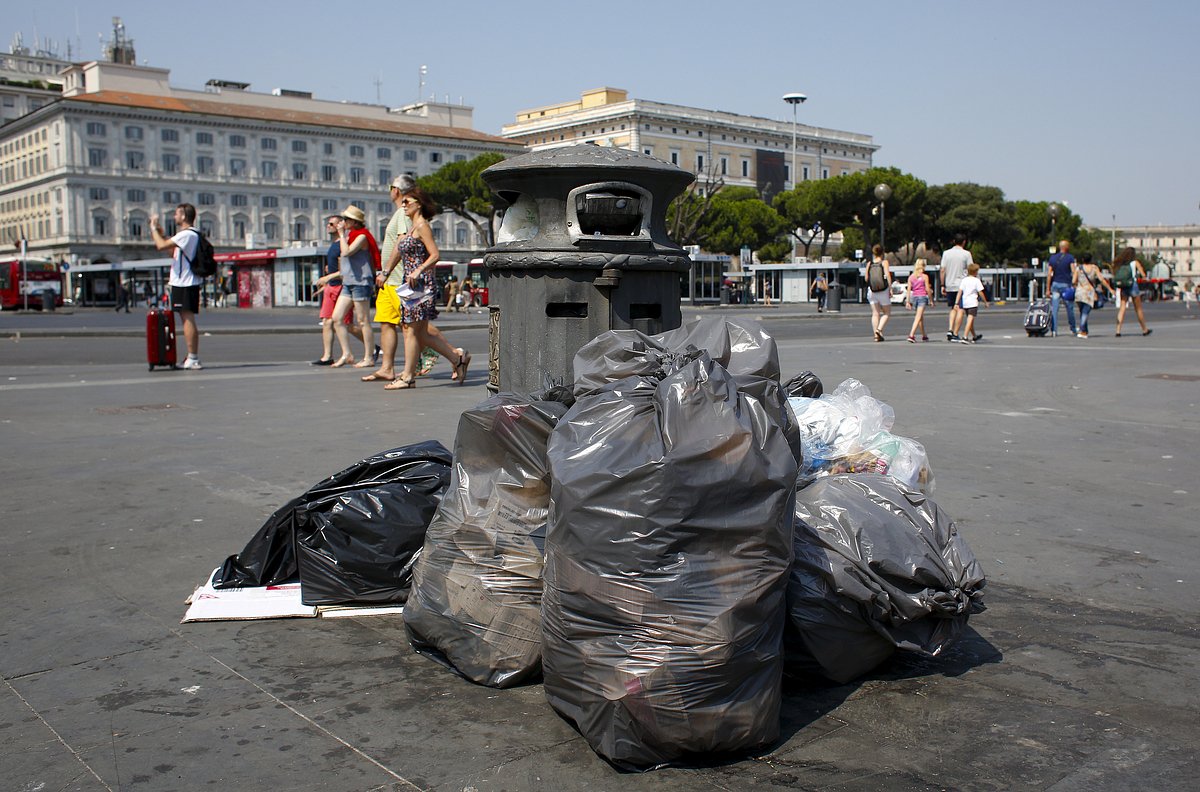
pixel 970 293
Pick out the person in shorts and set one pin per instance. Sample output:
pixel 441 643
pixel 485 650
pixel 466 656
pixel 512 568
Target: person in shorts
pixel 329 291
pixel 183 283
pixel 954 268
pixel 880 300
pixel 970 294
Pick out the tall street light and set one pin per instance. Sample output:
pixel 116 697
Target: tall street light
pixel 1113 242
pixel 794 99
pixel 882 192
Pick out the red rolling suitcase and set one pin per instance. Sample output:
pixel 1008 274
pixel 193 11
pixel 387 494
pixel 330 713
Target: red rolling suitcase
pixel 160 338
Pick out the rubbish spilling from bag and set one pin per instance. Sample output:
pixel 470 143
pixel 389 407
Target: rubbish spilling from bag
pixel 657 542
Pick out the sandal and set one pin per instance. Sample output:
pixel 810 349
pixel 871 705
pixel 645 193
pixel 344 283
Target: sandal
pixel 377 377
pixel 343 360
pixel 400 383
pixel 460 368
pixel 365 363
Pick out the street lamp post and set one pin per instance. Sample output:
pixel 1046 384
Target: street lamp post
pixel 1113 241
pixel 882 192
pixel 794 99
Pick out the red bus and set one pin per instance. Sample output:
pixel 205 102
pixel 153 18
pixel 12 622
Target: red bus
pixel 473 271
pixel 40 276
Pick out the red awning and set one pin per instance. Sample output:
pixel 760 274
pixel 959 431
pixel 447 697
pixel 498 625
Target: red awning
pixel 246 256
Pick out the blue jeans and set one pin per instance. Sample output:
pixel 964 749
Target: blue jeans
pixel 1056 290
pixel 1084 310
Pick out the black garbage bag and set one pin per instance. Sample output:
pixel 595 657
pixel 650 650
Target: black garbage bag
pixel 878 567
pixel 476 601
pixel 667 555
pixel 270 556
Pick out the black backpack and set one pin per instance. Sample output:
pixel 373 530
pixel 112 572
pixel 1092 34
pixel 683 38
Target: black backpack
pixel 876 280
pixel 205 263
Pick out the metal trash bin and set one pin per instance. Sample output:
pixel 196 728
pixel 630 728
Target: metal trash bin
pixel 833 298
pixel 582 249
pixel 724 295
pixel 49 299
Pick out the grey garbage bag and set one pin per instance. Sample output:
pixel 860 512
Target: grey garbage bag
pixel 878 567
pixel 477 586
pixel 667 556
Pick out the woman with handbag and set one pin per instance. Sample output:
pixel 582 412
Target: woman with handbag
pixel 1132 293
pixel 1088 283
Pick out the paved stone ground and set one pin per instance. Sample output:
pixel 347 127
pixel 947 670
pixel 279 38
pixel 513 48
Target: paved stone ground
pixel 1070 466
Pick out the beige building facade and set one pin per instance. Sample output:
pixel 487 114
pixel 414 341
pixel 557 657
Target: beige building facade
pixel 1179 246
pixel 738 150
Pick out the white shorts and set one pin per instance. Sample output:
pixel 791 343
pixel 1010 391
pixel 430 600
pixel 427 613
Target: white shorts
pixel 880 298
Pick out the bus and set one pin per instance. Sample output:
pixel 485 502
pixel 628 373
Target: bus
pixel 40 276
pixel 473 271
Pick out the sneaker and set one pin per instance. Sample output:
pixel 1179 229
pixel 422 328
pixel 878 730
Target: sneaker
pixel 977 336
pixel 1081 335
pixel 192 363
pixel 1054 334
pixel 924 338
pixel 912 340
pixel 951 337
pixel 965 340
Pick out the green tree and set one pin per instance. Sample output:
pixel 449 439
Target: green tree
pixel 1037 236
pixel 978 211
pixel 739 218
pixel 457 187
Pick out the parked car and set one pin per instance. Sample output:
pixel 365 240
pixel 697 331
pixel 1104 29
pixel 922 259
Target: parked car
pixel 898 290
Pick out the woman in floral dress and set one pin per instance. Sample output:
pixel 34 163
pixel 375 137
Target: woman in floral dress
pixel 419 255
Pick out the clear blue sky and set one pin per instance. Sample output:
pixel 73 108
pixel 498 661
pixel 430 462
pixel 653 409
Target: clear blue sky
pixel 1090 103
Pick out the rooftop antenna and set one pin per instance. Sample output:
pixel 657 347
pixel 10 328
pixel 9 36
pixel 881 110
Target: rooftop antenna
pixel 378 85
pixel 421 81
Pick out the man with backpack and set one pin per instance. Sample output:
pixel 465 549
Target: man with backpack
pixel 185 282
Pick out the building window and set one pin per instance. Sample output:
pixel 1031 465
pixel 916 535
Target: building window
pixel 172 198
pixel 649 152
pixel 239 227
pixel 270 202
pixel 460 157
pixel 300 228
pixel 204 138
pixel 328 173
pixel 238 199
pixel 94 128
pixel 237 141
pixel 135 196
pixel 410 155
pixel 206 227
pixel 299 171
pixel 438 234
pixel 137 226
pixel 206 199
pixel 268 144
pixel 824 173
pixel 385 208
pixel 100 225
pixel 170 135
pixel 204 164
pixel 299 147
pixel 385 176
pixel 357 151
pixel 804 173
pixel 724 166
pixel 435 157
pixel 383 153
pixel 674 157
pixel 135 160
pixel 237 167
pixel 360 204
pixel 299 203
pixel 700 163
pixel 270 229
pixel 98 193
pixel 170 162
pixel 133 133
pixel 358 175
pixel 269 169
pixel 329 205
pixel 460 236
pixel 328 149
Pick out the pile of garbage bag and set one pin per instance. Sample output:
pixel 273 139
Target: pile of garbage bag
pixel 351 538
pixel 658 541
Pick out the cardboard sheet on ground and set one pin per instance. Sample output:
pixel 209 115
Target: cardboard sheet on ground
pixel 279 601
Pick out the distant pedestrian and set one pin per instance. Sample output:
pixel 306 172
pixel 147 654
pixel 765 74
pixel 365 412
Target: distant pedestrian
pixel 1060 275
pixel 388 304
pixel 1188 295
pixel 453 294
pixel 917 292
pixel 358 259
pixel 1089 283
pixel 183 283
pixel 123 296
pixel 419 255
pixel 329 287
pixel 467 290
pixel 819 288
pixel 970 294
pixel 879 291
pixel 1133 292
pixel 954 268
